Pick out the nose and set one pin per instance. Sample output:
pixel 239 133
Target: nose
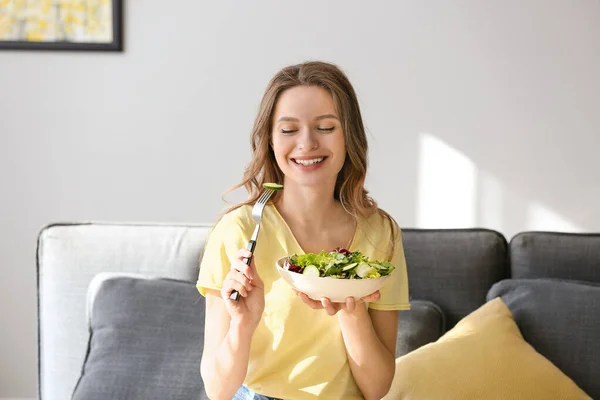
pixel 307 140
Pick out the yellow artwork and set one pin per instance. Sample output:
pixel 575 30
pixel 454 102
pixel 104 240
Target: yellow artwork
pixel 67 22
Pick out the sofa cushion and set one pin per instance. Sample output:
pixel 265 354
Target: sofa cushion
pixel 145 340
pixel 483 357
pixel 561 320
pixel 454 268
pixel 573 256
pixel 423 323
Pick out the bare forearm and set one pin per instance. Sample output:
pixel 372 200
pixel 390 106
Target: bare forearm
pixel 224 371
pixel 371 362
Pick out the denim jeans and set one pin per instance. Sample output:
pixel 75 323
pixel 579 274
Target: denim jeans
pixel 244 393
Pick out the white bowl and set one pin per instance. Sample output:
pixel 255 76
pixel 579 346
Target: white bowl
pixel 337 290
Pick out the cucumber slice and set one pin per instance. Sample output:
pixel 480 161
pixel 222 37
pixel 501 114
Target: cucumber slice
pixel 364 269
pixel 349 266
pixel 311 270
pixel 273 186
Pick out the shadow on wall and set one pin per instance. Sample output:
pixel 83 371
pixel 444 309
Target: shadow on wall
pixel 453 191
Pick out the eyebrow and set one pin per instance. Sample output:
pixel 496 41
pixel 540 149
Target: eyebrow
pixel 319 118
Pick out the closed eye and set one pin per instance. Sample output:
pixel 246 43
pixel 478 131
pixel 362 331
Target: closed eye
pixel 327 129
pixel 288 131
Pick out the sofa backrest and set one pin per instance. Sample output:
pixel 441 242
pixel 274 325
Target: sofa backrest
pixel 69 256
pixel 454 268
pixel 557 255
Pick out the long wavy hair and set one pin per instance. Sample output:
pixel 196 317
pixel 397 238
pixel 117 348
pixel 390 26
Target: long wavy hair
pixel 349 188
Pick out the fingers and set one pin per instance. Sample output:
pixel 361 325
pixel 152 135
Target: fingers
pixel 328 306
pixel 249 270
pixel 241 266
pixel 310 302
pixel 372 297
pixel 324 303
pixel 229 285
pixel 350 304
pixel 240 278
pixel 333 308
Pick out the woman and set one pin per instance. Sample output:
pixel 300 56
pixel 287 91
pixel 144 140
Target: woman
pixel 274 342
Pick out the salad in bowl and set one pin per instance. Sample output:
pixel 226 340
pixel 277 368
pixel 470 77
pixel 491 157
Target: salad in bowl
pixel 337 274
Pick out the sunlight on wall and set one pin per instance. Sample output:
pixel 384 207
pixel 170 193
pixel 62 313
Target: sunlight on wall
pixel 454 193
pixel 541 218
pixel 447 192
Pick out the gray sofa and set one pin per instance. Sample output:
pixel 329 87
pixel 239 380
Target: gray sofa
pixel 120 318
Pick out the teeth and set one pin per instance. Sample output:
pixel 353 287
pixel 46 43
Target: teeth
pixel 309 162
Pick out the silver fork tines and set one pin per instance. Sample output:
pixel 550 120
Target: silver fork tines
pixel 257 211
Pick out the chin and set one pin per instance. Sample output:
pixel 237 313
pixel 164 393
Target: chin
pixel 314 181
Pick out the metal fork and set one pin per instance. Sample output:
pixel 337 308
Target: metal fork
pixel 257 211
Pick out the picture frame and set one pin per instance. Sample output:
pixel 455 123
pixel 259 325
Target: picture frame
pixel 71 25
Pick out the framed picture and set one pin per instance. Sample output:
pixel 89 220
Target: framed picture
pixel 92 25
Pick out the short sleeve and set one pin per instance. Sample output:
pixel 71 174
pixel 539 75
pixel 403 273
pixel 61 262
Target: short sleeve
pixel 224 241
pixel 394 292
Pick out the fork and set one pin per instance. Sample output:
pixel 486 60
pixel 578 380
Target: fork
pixel 257 211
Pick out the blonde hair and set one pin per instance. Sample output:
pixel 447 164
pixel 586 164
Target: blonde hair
pixel 349 188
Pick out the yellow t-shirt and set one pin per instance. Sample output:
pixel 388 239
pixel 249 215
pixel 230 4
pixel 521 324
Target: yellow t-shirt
pixel 297 352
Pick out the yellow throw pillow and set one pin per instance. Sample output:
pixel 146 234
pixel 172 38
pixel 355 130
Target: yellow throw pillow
pixel 483 357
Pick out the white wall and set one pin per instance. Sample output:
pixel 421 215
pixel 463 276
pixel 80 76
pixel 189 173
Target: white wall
pixel 479 114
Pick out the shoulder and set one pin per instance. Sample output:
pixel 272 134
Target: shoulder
pixel 380 236
pixel 241 215
pixel 239 219
pixel 381 222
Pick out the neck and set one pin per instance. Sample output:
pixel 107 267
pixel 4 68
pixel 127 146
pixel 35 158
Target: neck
pixel 308 206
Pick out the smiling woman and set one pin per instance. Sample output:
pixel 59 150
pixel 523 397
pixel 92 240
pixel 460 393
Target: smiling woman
pixel 276 342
